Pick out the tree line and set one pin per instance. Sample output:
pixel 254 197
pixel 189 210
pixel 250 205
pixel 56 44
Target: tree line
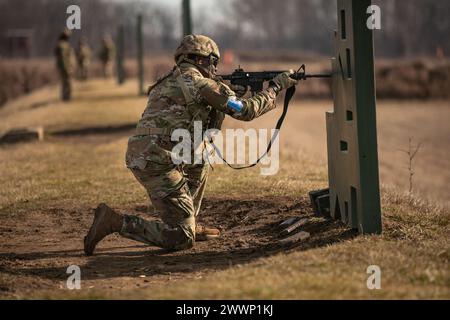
pixel 409 28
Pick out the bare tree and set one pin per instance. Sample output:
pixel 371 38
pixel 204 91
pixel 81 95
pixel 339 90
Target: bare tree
pixel 411 153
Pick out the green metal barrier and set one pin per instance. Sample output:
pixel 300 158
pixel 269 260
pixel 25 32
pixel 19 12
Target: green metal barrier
pixel 354 195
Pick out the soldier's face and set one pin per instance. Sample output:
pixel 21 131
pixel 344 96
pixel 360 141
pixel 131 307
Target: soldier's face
pixel 209 64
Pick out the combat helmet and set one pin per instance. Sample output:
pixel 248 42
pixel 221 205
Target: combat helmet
pixel 198 45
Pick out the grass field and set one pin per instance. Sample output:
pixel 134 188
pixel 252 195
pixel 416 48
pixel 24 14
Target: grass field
pixel 50 188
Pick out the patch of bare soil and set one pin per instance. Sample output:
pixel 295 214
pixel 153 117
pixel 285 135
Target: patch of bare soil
pixel 36 249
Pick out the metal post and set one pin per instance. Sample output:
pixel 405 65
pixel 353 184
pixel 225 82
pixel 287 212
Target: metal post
pixel 140 54
pixel 187 21
pixel 120 40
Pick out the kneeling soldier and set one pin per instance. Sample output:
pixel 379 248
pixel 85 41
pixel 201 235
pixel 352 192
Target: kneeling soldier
pixel 190 92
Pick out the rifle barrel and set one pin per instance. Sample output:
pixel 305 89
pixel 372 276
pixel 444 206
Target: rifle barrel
pixel 323 75
pixel 299 76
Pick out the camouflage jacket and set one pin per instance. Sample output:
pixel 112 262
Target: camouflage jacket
pixel 182 97
pixel 83 55
pixel 64 57
pixel 107 53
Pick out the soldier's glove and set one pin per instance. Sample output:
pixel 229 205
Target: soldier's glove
pixel 284 81
pixel 239 90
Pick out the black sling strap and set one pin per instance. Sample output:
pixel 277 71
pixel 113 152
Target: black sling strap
pixel 287 98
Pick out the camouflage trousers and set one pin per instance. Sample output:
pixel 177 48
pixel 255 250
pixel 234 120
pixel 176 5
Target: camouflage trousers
pixel 83 70
pixel 176 194
pixel 66 87
pixel 107 69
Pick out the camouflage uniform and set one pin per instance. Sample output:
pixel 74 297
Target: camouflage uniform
pixel 176 101
pixel 107 54
pixel 64 63
pixel 83 59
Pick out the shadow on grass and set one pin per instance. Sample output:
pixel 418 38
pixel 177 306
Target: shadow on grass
pixel 45 103
pixel 123 128
pixel 252 238
pixel 107 98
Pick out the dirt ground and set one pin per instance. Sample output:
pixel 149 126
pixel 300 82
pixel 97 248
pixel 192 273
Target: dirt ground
pixel 38 252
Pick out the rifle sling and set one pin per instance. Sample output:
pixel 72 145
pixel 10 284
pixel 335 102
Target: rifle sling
pixel 287 99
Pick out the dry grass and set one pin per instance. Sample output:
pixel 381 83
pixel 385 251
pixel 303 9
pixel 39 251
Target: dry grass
pixel 414 265
pixel 304 133
pixel 413 251
pixel 93 107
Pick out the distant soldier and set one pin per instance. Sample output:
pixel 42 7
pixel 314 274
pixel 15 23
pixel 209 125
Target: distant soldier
pixel 83 58
pixel 107 54
pixel 64 62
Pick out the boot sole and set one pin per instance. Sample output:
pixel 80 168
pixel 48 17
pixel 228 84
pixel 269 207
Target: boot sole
pixel 206 237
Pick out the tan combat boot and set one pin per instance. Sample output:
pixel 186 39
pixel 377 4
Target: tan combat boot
pixel 106 221
pixel 204 233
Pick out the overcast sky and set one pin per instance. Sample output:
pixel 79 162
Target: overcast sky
pixel 199 8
